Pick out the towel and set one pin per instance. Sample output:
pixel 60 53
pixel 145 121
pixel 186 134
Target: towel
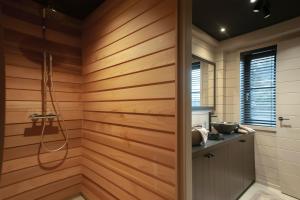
pixel 244 129
pixel 203 132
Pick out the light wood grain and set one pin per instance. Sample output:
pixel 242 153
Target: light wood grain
pixel 152 153
pixel 50 188
pixel 31 29
pixel 29 184
pixel 106 184
pixel 129 97
pixel 126 184
pixel 159 107
pixel 29 150
pixel 159 123
pixel 166 41
pixel 154 138
pixel 27 172
pixel 134 38
pixel 31 73
pixel 92 191
pixel 30 161
pixel 20 140
pixel 160 91
pixel 136 176
pixel 159 75
pixel 66 193
pixel 151 168
pixel 162 58
pixel 18 129
pixel 31 172
pixel 30 95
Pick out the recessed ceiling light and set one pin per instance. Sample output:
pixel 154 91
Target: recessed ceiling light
pixel 222 29
pixel 258 5
pixel 253 1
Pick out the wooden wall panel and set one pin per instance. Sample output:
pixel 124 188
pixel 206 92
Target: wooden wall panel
pixel 2 92
pixel 129 101
pixel 26 173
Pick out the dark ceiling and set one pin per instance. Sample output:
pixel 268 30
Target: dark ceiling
pixel 237 16
pixel 79 9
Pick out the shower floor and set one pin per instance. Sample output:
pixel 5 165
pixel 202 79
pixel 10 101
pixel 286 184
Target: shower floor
pixel 78 198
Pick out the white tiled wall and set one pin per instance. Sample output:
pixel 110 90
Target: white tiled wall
pixel 288 106
pixel 267 143
pixel 200 118
pixel 266 158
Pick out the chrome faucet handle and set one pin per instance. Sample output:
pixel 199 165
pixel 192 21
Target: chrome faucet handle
pixel 34 117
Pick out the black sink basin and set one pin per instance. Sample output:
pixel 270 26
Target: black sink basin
pixel 225 127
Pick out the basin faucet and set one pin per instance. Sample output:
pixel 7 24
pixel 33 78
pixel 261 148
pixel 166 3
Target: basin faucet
pixel 210 115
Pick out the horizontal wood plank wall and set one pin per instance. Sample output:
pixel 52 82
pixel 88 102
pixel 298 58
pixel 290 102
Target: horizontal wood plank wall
pixel 2 93
pixel 59 175
pixel 129 101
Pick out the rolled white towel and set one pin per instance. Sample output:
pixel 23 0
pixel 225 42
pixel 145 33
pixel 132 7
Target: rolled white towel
pixel 248 129
pixel 204 133
pixel 242 131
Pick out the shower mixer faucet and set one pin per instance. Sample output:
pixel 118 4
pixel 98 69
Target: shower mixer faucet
pixel 35 117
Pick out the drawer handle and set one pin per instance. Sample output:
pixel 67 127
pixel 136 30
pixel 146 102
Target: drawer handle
pixel 209 155
pixel 242 140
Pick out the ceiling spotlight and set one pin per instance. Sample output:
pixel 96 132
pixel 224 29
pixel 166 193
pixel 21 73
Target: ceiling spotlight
pixel 253 1
pixel 222 29
pixel 266 11
pixel 258 6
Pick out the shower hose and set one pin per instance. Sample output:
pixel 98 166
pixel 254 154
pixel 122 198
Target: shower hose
pixel 48 87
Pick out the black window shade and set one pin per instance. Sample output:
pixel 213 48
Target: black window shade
pixel 258 87
pixel 196 85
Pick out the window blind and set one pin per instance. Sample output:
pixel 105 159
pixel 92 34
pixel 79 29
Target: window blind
pixel 258 87
pixel 196 85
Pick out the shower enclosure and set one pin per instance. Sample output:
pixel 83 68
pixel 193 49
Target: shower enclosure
pixel 115 78
pixel 34 63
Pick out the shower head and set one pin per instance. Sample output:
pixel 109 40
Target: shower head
pixel 48 4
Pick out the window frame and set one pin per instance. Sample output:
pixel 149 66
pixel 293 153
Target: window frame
pixel 245 84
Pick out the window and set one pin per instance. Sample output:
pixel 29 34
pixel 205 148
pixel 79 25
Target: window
pixel 258 87
pixel 196 85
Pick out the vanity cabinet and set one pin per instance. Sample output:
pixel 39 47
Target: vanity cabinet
pixel 210 175
pixel 225 170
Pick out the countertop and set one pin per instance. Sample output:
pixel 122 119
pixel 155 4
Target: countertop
pixel 214 143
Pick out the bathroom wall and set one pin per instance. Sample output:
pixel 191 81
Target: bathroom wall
pixel 206 47
pixel 2 94
pixel 267 141
pixel 26 173
pixel 129 129
pixel 226 54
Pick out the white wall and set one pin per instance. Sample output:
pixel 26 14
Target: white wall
pixel 206 47
pixel 226 55
pixel 266 139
